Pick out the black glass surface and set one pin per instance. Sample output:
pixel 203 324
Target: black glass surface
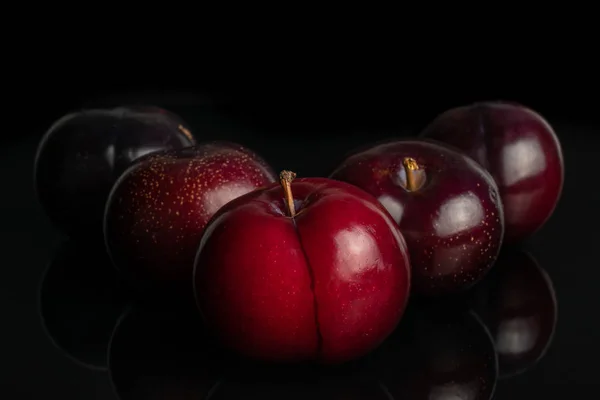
pixel 73 330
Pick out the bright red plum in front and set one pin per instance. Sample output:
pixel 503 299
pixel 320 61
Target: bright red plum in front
pixel 324 277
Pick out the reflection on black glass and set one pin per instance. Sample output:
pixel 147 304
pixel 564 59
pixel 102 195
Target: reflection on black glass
pixel 518 304
pixel 438 353
pixel 301 383
pixel 80 302
pixel 160 352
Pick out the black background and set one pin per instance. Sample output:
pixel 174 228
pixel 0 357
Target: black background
pixel 305 122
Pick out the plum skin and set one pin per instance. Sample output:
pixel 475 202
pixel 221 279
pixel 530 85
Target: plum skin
pixel 453 224
pixel 83 153
pixel 521 151
pixel 157 211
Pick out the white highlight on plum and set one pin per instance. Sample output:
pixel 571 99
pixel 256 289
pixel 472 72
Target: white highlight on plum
pixel 393 206
pixel 109 155
pixel 357 250
pixel 217 198
pixel 458 214
pixel 521 160
pixel 135 153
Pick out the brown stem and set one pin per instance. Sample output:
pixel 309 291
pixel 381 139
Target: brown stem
pixel 186 132
pixel 286 178
pixel 410 166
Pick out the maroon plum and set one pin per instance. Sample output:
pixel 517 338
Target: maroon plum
pixel 521 151
pixel 83 153
pixel 314 270
pixel 446 205
pixel 157 210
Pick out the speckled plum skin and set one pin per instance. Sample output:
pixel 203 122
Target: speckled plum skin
pixel 157 210
pixel 327 286
pixel 518 304
pixel 82 155
pixel 453 224
pixel 521 151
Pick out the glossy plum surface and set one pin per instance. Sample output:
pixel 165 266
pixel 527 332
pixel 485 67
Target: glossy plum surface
pixel 518 304
pixel 80 301
pixel 438 353
pixel 328 285
pixel 157 210
pixel 83 153
pixel 521 151
pixel 452 224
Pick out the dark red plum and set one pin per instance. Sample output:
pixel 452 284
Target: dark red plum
pixel 157 210
pixel 437 353
pixel 80 301
pixel 82 155
pixel 518 304
pixel 446 205
pixel 521 151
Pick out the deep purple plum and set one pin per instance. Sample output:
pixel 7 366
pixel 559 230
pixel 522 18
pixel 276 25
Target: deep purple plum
pixel 438 352
pixel 521 151
pixel 157 210
pixel 518 304
pixel 446 205
pixel 83 153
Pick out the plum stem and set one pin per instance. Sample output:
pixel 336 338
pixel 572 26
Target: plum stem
pixel 410 166
pixel 186 132
pixel 286 178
